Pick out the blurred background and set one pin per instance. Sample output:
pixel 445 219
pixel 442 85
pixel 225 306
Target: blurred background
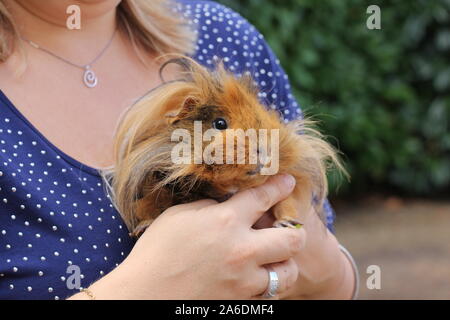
pixel 383 98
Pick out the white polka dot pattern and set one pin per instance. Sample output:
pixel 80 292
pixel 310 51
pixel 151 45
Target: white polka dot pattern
pixel 53 210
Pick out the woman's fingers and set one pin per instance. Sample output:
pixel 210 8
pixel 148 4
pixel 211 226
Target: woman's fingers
pixel 253 202
pixel 276 249
pixel 287 272
pixel 278 244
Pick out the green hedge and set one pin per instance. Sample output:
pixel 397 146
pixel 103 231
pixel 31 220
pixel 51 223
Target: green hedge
pixel 383 95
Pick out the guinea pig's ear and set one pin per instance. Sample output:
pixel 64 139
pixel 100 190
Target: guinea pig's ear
pixel 175 115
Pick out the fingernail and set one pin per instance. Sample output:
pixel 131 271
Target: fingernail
pixel 289 181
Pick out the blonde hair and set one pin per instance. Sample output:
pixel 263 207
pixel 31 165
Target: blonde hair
pixel 151 26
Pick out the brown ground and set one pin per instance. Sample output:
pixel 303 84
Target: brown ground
pixel 409 240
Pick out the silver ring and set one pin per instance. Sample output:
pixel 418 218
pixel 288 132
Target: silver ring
pixel 272 288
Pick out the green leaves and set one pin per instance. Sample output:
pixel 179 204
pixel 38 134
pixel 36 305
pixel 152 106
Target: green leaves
pixel 383 94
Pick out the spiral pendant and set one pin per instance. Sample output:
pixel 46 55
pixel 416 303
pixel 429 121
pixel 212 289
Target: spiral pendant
pixel 89 77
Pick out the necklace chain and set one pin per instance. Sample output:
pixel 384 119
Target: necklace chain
pixel 89 77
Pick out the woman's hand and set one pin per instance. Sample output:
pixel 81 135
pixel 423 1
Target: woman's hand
pixel 209 250
pixel 324 271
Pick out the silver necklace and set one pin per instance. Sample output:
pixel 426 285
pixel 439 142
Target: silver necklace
pixel 89 77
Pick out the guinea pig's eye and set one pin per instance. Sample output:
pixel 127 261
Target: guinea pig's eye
pixel 220 124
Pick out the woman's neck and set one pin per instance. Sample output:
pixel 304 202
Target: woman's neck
pixel 79 45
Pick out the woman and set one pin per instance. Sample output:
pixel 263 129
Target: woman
pixel 60 231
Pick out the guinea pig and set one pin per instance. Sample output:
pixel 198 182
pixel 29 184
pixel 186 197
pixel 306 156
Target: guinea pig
pixel 207 135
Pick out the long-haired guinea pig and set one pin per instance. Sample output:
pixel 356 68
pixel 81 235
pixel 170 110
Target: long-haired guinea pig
pixel 206 135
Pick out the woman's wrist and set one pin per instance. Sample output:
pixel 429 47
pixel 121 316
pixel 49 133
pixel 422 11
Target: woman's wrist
pixel 341 286
pixel 108 287
pixel 324 270
pixel 116 285
pixel 341 282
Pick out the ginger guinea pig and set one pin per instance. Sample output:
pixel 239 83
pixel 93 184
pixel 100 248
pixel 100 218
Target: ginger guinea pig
pixel 206 135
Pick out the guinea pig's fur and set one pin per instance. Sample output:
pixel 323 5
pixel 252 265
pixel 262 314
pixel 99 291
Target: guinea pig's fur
pixel 145 181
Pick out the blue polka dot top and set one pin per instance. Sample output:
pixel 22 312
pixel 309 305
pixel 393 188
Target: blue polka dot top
pixel 57 224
